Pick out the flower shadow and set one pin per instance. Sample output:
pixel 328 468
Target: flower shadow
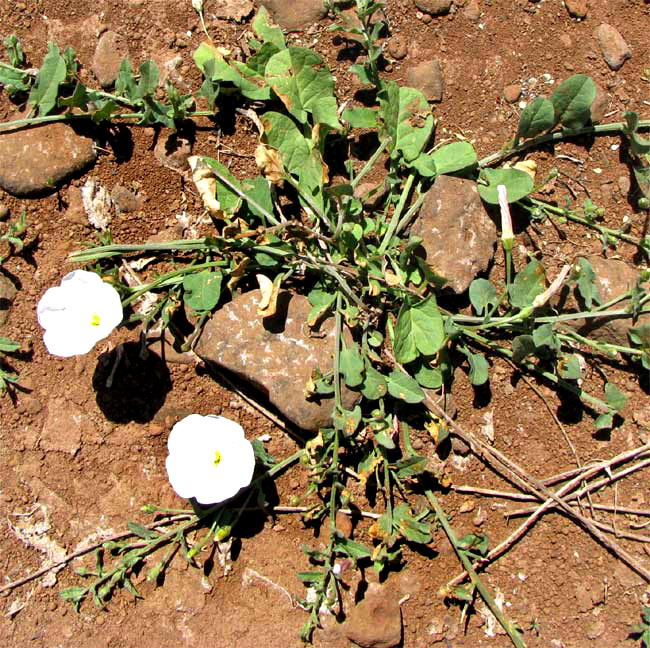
pixel 130 385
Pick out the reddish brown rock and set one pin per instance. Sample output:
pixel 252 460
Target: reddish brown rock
pixel 295 15
pixel 458 235
pixel 576 8
pixel 376 622
pixel 276 354
pixel 427 77
pixel 111 49
pixel 614 49
pixel 35 161
pixel 434 7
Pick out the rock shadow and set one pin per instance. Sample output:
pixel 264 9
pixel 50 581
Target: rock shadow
pixel 130 385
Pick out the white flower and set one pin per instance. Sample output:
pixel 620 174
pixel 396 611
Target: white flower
pixel 198 5
pixel 209 458
pixel 78 313
pixel 507 237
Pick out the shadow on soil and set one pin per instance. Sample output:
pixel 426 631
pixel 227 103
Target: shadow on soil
pixel 130 386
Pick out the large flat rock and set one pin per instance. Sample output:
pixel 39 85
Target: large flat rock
pixel 276 354
pixel 35 161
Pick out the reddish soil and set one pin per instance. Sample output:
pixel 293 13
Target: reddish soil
pixel 560 585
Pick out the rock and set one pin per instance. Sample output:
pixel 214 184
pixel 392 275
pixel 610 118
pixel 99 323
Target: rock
pixel 458 235
pixel 34 161
pixel 596 629
pixel 613 278
pixel 276 354
pixel 172 151
pixel 232 9
pixel 125 200
pixel 111 49
pixel 599 105
pixel 427 77
pixel 75 212
pixel 512 92
pixel 7 295
pixel 4 212
pixel 434 7
pixel 614 49
pixel 576 8
pixel 295 15
pixel 397 46
pixel 344 524
pixel 63 426
pixel 376 622
pixel 472 11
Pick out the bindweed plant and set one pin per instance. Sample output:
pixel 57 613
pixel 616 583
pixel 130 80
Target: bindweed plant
pixel 299 226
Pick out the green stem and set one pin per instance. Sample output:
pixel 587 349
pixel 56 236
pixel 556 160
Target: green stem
pixel 392 226
pixel 603 347
pixel 318 212
pixel 556 136
pixel 506 624
pixel 338 403
pixel 367 167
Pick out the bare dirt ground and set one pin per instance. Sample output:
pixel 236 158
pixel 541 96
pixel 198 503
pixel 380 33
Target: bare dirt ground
pixel 80 467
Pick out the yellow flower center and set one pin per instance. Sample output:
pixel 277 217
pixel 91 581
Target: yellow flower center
pixel 217 458
pixel 95 320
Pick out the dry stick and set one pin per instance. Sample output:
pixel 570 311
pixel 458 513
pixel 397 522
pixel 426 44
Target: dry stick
pixel 494 457
pixel 82 552
pixel 589 488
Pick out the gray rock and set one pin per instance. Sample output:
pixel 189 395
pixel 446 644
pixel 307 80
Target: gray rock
pixel 63 427
pixel 614 49
pixel 376 622
pixel 34 161
pixel 458 235
pixel 613 278
pixel 427 77
pixel 434 7
pixel 576 8
pixel 295 15
pixel 111 49
pixel 232 9
pixel 276 354
pixel 7 295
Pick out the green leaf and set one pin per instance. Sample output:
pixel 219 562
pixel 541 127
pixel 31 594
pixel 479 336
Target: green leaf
pixel 251 84
pixel 125 84
pixel 8 346
pixel 202 290
pixel 230 202
pixel 261 455
pixel 304 84
pixel 605 421
pixel 482 294
pixel 78 99
pixel 374 384
pixel 351 365
pixel 454 157
pixel 544 336
pixel 409 527
pixel 569 367
pixel 384 440
pixel 140 531
pixel 428 377
pixel 148 79
pixel 51 75
pixel 407 120
pixel 350 548
pixel 638 145
pixel 537 117
pixel 419 328
pixel 263 29
pixel 518 183
pixel 282 134
pixel 478 368
pixel 411 466
pixel 614 397
pixel 320 301
pixel 404 387
pixel 522 347
pixel 259 190
pixel 360 117
pixel 14 81
pixel 572 101
pixel 15 52
pixel 587 284
pixel 527 285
